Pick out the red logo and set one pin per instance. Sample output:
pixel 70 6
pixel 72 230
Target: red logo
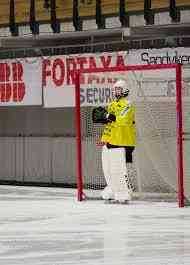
pixel 12 87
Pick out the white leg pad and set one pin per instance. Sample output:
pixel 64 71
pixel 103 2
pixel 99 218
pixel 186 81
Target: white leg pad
pixel 107 193
pixel 106 164
pixel 114 166
pixel 123 196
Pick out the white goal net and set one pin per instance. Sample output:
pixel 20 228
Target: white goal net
pixel 159 170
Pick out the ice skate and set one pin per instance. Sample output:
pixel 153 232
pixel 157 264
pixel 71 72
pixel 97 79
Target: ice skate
pixel 113 201
pixel 108 201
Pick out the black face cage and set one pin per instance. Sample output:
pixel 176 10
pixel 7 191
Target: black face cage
pixel 126 93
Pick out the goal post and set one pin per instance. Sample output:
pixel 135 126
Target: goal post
pixel 159 156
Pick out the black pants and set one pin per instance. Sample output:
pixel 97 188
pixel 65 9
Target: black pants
pixel 128 151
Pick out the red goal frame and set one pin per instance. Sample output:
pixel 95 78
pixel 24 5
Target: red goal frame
pixel 179 122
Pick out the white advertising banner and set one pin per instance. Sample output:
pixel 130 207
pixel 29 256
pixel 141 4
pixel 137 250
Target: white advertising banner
pixel 58 75
pixel 20 82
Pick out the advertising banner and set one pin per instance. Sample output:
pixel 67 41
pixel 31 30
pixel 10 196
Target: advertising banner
pixel 58 75
pixel 20 82
pixel 50 80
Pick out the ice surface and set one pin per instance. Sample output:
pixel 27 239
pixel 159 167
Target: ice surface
pixel 47 226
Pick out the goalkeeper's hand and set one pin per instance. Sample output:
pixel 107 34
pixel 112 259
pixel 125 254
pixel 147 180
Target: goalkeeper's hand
pixel 111 117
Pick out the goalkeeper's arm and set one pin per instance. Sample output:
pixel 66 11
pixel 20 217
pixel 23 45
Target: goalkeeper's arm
pixel 100 115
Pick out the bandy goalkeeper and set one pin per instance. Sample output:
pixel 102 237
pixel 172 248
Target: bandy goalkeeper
pixel 119 138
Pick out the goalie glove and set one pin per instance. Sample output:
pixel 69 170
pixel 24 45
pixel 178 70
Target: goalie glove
pixel 99 115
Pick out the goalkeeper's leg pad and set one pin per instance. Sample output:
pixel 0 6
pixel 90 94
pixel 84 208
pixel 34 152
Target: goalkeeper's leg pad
pixel 107 193
pixel 123 196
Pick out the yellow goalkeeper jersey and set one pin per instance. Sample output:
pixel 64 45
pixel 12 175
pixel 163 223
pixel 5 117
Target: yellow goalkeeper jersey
pixel 122 132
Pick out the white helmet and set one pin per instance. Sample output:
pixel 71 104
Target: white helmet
pixel 120 89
